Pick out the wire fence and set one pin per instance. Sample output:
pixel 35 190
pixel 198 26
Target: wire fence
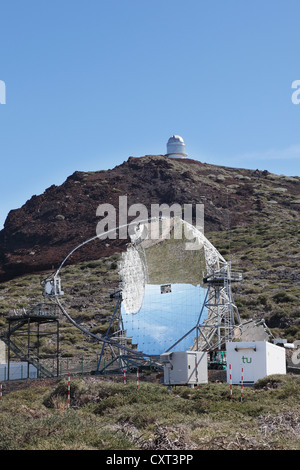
pixel 76 366
pixel 49 368
pixel 73 365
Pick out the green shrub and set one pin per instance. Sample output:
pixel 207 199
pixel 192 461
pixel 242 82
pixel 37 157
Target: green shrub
pixel 61 392
pixel 282 297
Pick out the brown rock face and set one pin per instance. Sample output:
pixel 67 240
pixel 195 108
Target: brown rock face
pixel 46 228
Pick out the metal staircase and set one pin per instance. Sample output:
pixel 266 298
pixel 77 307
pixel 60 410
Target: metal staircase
pixel 33 360
pixel 22 350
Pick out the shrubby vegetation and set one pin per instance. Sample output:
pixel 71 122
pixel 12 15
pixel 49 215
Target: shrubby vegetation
pixel 106 414
pixel 268 255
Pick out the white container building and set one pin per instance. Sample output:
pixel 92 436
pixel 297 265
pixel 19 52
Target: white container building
pixel 258 359
pixel 181 368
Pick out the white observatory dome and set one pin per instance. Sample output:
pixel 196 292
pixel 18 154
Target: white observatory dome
pixel 176 147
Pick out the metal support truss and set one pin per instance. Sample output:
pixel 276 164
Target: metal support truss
pixel 222 313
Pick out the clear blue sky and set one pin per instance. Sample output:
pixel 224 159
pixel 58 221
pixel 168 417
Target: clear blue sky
pixel 90 83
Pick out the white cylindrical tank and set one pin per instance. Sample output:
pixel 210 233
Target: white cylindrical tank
pixel 176 147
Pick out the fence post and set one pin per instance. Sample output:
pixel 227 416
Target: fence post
pixel 137 379
pixel 242 386
pixel 1 390
pixel 230 380
pixel 69 390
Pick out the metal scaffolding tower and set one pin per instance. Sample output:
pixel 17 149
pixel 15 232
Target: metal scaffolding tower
pixel 24 334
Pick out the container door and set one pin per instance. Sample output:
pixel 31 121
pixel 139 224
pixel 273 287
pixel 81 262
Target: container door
pixel 192 360
pixel 247 363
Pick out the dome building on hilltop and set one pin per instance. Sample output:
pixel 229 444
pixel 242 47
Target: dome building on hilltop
pixel 176 147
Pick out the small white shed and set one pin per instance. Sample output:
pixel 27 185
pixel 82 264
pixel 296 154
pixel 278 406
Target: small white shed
pixel 182 367
pixel 257 359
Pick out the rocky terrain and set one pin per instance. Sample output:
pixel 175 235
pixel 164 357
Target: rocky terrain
pixel 46 228
pixel 261 209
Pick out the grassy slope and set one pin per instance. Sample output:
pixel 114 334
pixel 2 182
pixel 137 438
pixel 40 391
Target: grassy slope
pixel 87 287
pixel 105 414
pixel 269 257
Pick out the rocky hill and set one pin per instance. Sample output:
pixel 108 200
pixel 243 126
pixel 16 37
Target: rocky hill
pixel 46 228
pixel 263 241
